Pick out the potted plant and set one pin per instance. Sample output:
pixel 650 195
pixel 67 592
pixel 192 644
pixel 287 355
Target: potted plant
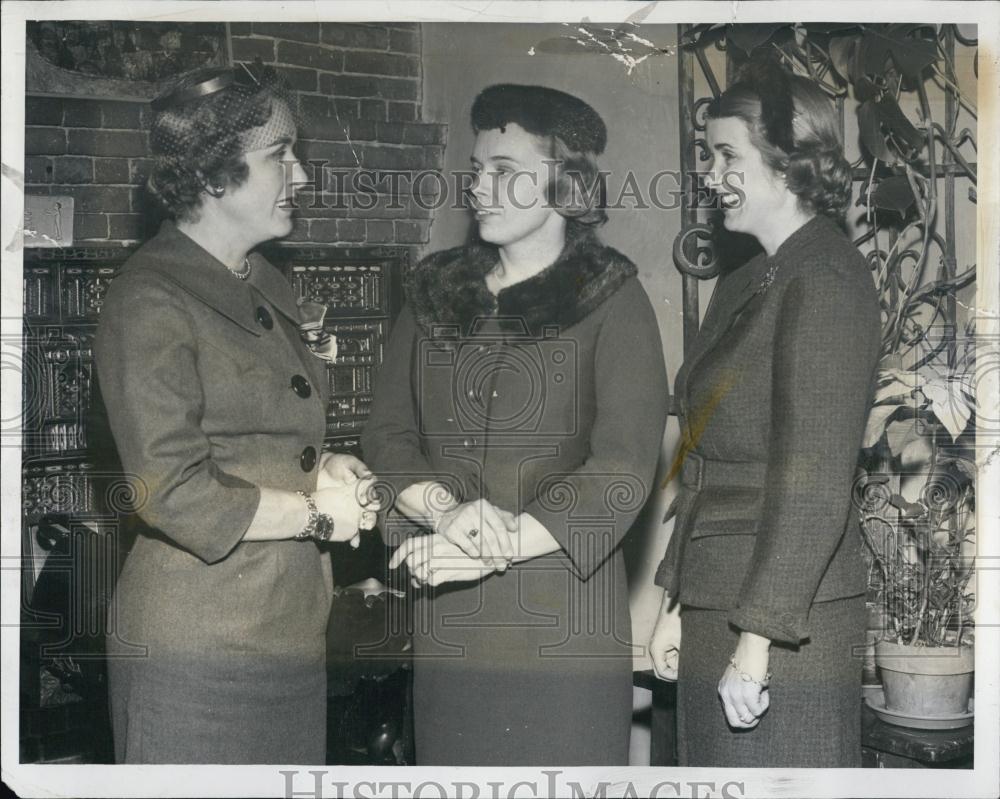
pixel 918 523
pixel 918 497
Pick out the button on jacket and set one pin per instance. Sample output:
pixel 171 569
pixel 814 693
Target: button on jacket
pixel 195 368
pixel 773 401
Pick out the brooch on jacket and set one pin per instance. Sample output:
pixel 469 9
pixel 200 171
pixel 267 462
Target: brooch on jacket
pixel 320 343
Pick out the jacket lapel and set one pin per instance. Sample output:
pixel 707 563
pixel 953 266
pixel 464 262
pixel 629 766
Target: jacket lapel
pixel 269 281
pixel 730 300
pixel 741 292
pixel 197 272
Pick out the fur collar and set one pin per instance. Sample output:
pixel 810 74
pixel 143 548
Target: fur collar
pixel 449 287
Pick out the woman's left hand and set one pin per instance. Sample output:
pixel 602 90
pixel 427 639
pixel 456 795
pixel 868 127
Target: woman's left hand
pixel 434 560
pixel 744 687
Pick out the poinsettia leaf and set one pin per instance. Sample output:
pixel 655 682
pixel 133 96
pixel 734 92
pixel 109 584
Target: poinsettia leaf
pixel 864 88
pixel 964 466
pixel 911 510
pixel 899 433
pixel 896 384
pixel 949 405
pixel 913 56
pixel 917 451
pixel 870 129
pixel 873 51
pixel 750 36
pixel 841 52
pixel 893 194
pixel 877 418
pixel 893 118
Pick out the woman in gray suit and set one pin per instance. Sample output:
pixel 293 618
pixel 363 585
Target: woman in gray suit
pixel 763 578
pixel 217 399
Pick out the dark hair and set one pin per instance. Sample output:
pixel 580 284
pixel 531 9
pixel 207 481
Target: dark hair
pixel 196 141
pixel 795 127
pixel 573 132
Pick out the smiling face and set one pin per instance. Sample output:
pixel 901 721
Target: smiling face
pixel 510 198
pixel 261 206
pixel 753 196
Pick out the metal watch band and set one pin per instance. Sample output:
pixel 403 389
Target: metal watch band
pixel 319 526
pixel 307 531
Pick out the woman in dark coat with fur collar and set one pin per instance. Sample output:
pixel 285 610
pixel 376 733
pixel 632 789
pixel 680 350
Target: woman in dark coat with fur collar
pixel 518 418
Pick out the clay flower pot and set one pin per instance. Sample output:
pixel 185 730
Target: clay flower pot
pixel 926 681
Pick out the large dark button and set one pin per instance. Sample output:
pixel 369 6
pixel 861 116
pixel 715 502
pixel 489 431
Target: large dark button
pixel 264 317
pixel 469 443
pixel 301 386
pixel 308 459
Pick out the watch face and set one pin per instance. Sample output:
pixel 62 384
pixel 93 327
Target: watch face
pixel 324 527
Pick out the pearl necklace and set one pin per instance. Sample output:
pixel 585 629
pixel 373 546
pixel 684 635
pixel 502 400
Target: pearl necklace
pixel 244 273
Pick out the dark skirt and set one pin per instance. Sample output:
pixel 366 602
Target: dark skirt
pixel 217 709
pixel 221 663
pixel 574 713
pixel 529 668
pixel 814 720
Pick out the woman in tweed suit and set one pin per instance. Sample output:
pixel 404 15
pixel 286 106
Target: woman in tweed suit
pixel 763 578
pixel 218 408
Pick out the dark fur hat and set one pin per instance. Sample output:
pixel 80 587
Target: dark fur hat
pixel 543 112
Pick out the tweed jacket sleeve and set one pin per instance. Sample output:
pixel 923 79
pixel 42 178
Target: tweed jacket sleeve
pixel 146 356
pixel 825 351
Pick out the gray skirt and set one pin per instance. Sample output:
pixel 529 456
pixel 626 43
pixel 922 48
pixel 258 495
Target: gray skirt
pixel 814 720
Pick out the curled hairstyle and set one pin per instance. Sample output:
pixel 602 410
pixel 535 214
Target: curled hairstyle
pixel 795 127
pixel 198 141
pixel 573 134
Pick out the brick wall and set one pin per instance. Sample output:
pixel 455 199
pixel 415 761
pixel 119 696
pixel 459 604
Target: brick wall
pixel 359 89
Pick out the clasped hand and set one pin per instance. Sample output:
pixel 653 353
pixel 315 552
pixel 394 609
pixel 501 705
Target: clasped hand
pixel 744 684
pixel 743 687
pixel 470 541
pixel 344 490
pixel 665 643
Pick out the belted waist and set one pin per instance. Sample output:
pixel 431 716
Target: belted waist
pixel 698 471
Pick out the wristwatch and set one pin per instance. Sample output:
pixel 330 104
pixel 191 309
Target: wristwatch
pixel 319 526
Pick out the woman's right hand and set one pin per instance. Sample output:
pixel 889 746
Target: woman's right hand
pixel 342 501
pixel 665 643
pixel 480 530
